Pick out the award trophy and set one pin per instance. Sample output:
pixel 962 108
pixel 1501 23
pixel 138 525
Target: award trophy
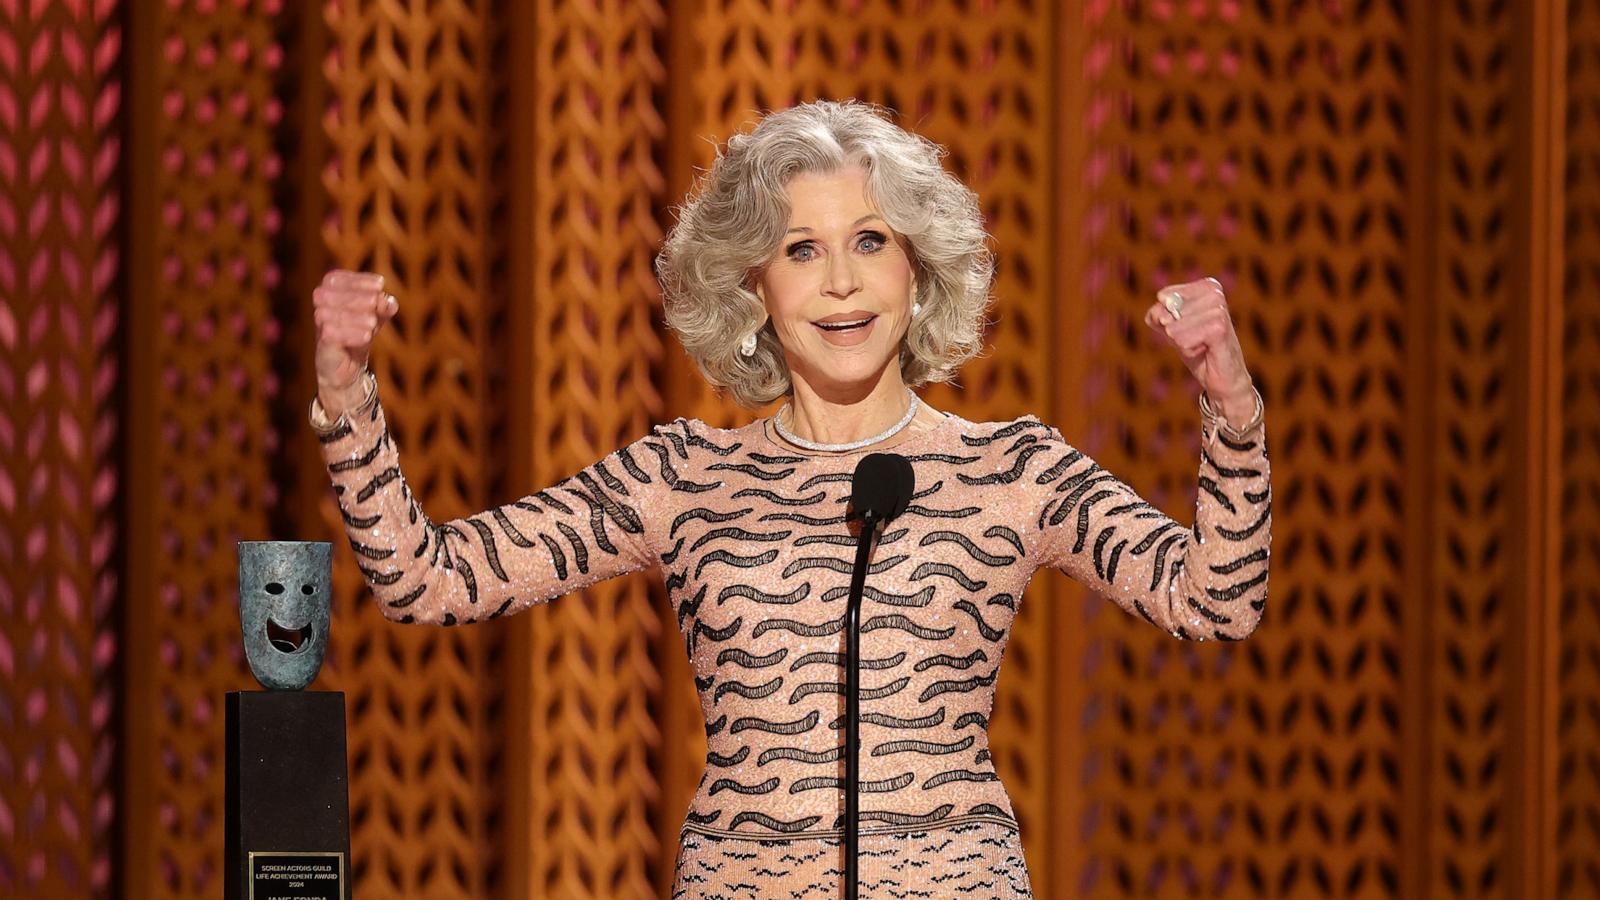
pixel 288 803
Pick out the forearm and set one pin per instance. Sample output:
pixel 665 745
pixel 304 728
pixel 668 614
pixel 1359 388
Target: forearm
pixel 574 533
pixel 402 555
pixel 1204 581
pixel 1219 588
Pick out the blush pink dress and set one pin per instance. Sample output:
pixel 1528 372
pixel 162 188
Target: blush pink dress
pixel 755 549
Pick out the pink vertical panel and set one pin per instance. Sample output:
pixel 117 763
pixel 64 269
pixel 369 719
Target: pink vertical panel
pixel 59 149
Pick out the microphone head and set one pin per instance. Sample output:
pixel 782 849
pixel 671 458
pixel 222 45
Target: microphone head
pixel 882 484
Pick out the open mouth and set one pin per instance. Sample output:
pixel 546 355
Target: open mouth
pixel 288 640
pixel 841 327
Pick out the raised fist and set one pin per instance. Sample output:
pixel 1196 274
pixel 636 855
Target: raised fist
pixel 1194 319
pixel 349 309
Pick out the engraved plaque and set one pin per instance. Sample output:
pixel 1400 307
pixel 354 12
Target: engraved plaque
pixel 276 875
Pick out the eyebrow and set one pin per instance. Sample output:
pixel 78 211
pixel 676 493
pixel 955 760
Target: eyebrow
pixel 866 218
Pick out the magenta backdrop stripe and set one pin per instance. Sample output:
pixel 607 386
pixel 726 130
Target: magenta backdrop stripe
pixel 59 206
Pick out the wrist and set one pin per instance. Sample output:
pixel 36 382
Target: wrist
pixel 339 399
pixel 1236 407
pixel 1231 420
pixel 326 383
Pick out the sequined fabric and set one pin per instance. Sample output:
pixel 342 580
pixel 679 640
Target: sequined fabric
pixel 976 859
pixel 755 549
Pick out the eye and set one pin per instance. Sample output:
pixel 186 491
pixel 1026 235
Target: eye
pixel 307 589
pixel 274 588
pixel 871 242
pixel 802 251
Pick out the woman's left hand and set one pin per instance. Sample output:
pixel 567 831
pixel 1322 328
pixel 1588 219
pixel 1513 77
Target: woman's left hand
pixel 1204 336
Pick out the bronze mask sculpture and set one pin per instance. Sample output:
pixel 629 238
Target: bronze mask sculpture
pixel 285 588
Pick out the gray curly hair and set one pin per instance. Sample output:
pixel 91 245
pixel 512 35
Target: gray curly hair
pixel 736 216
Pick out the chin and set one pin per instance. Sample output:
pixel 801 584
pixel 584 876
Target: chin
pixel 860 370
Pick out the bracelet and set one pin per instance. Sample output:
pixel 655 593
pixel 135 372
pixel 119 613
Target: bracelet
pixel 319 416
pixel 1220 424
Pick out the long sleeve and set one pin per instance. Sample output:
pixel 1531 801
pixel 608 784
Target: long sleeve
pixel 583 529
pixel 1205 581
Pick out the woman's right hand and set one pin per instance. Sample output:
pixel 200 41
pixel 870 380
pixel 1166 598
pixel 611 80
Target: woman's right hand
pixel 349 308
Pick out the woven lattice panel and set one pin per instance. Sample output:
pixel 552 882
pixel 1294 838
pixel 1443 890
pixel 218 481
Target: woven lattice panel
pixel 202 377
pixel 591 348
pixel 1349 169
pixel 409 192
pixel 1249 141
pixel 976 81
pixel 1577 849
pixel 59 103
pixel 1471 584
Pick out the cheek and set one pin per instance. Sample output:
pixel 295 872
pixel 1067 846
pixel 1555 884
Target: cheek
pixel 893 273
pixel 788 303
pixel 784 289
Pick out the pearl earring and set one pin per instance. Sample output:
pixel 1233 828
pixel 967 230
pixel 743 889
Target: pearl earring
pixel 916 308
pixel 747 346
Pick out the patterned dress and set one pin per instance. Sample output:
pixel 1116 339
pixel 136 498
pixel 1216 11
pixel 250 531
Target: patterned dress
pixel 755 549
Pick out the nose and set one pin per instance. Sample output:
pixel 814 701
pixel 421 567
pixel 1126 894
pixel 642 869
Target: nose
pixel 843 279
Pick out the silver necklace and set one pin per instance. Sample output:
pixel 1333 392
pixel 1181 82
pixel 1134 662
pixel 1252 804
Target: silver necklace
pixel 789 436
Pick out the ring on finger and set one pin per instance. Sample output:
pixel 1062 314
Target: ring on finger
pixel 1172 300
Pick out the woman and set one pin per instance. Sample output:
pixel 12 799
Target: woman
pixel 829 259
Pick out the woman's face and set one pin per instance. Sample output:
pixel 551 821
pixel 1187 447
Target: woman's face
pixel 838 264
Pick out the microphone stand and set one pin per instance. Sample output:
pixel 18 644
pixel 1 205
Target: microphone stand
pixel 852 703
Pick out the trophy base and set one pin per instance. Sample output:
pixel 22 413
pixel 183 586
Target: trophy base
pixel 288 797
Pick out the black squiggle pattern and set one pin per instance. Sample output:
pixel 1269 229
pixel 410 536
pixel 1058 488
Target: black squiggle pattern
pixel 741 657
pixel 729 515
pixel 737 534
pixel 967 544
pixel 930 748
pixel 749 592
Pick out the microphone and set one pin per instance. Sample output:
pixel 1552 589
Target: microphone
pixel 882 485
pixel 880 490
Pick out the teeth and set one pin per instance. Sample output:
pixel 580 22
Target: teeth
pixel 840 326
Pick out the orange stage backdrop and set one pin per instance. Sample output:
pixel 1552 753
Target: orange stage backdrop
pixel 1402 197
